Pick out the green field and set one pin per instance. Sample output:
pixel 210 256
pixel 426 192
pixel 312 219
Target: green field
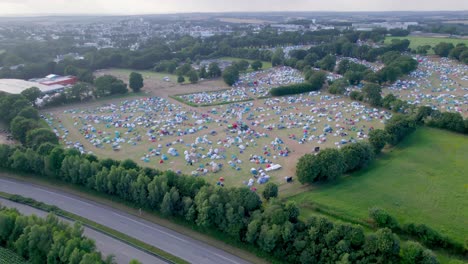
pixel 149 74
pixel 266 64
pixel 9 257
pixel 423 180
pixel 432 41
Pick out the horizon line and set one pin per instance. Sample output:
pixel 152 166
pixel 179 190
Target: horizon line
pixel 218 12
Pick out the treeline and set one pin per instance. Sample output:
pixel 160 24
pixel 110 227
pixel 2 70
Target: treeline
pixel 47 240
pixel 458 52
pixel 422 233
pixel 272 227
pixel 24 121
pixel 314 82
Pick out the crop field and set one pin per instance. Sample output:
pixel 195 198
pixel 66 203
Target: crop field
pixel 432 41
pixel 423 180
pixel 9 257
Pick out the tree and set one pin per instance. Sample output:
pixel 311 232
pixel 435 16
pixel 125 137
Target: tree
pixel 256 65
pixel 338 86
pixel 193 76
pixel 108 85
pixel 278 57
pixel 29 112
pixel 180 79
pixel 443 49
pixel 242 65
pixel 231 75
pixel 35 137
pixel 136 82
pixel 327 63
pixel 383 219
pixel 372 94
pixel 203 74
pixel 357 155
pixel 270 191
pixel 32 94
pixel 20 126
pixel 378 138
pixel 423 49
pixel 213 70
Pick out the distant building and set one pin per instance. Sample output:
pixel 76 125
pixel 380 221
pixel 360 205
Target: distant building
pixel 53 79
pixel 16 86
pixel 386 25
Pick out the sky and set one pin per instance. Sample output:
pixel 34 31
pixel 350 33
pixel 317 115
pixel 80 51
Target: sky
pixel 25 7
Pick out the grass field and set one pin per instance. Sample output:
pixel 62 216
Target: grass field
pixel 149 74
pixel 266 64
pixel 432 41
pixel 423 180
pixel 9 257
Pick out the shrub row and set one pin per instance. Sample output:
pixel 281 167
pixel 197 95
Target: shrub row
pixel 422 233
pixel 329 164
pixel 293 89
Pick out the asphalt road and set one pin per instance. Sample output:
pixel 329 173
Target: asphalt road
pixel 106 245
pixel 163 238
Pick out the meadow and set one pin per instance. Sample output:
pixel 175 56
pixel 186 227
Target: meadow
pixel 265 64
pixel 423 180
pixel 432 41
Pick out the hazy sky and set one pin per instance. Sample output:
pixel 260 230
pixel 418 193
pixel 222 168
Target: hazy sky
pixel 11 7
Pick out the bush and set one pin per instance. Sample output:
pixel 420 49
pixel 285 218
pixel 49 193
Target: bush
pixel 383 219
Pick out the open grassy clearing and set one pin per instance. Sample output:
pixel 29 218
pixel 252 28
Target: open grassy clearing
pixel 423 180
pixel 146 74
pixel 432 41
pixel 266 64
pixel 9 257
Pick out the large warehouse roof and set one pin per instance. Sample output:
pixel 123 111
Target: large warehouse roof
pixel 16 86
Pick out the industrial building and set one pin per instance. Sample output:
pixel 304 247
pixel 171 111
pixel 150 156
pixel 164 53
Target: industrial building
pixel 50 84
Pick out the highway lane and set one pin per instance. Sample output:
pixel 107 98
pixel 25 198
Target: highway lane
pixel 168 240
pixel 105 244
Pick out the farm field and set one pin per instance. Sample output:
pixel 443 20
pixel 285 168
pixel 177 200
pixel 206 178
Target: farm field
pixel 423 180
pixel 432 41
pixel 9 257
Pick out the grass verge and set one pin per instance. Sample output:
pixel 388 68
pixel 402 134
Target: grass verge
pixel 98 227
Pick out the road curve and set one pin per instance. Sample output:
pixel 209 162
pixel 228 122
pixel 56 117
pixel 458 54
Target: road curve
pixel 105 244
pixel 163 238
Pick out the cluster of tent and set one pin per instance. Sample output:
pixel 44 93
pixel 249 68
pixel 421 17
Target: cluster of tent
pixel 250 85
pixel 438 82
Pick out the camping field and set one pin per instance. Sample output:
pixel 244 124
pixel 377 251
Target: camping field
pixel 423 180
pixel 432 41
